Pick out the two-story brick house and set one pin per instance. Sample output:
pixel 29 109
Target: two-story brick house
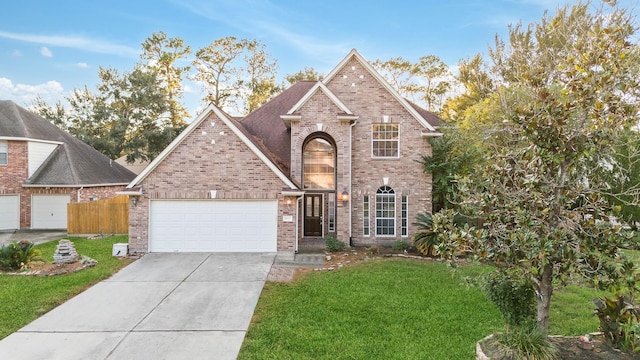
pixel 43 168
pixel 336 157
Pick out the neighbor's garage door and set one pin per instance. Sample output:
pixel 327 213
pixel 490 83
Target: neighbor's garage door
pixel 49 211
pixel 212 226
pixel 9 212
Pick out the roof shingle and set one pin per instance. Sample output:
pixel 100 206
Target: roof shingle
pixel 266 125
pixel 73 163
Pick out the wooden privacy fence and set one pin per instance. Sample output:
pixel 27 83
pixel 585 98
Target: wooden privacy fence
pixel 109 216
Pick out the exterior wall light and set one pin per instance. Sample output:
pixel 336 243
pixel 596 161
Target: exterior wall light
pixel 344 196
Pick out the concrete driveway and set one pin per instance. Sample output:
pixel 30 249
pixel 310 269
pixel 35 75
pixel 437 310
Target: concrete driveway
pixel 162 306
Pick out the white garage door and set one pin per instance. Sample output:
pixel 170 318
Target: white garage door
pixel 213 226
pixel 49 211
pixel 9 212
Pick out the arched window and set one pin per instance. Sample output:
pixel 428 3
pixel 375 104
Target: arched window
pixel 385 212
pixel 319 161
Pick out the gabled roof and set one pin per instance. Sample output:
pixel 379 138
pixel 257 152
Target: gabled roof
pixel 355 54
pixel 237 129
pixel 431 118
pixel 319 86
pixel 72 164
pixel 266 126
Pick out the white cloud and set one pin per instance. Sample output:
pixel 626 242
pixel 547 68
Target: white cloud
pixel 75 42
pixel 16 53
pixel 24 94
pixel 82 65
pixel 44 51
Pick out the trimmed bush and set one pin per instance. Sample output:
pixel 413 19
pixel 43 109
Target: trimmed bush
pixel 16 256
pixel 513 295
pixel 334 245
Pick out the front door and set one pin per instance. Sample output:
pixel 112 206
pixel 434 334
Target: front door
pixel 313 215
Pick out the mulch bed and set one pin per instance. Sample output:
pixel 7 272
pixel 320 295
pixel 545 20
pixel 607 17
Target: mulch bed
pixel 51 269
pixel 569 348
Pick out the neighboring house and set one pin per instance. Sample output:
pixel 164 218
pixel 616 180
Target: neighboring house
pixel 336 157
pixel 43 168
pixel 136 167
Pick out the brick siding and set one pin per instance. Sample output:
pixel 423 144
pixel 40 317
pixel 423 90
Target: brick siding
pixel 15 173
pixel 211 157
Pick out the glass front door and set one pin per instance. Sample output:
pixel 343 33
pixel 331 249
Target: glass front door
pixel 313 215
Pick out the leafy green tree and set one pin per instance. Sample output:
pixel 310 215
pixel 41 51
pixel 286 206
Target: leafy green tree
pixel 161 54
pixel 128 111
pixel 569 86
pixel 260 72
pixel 399 73
pixel 308 73
pixel 55 113
pixel 621 174
pixel 453 155
pixel 218 71
pixel 476 80
pixel 123 117
pixel 433 81
pixel 428 80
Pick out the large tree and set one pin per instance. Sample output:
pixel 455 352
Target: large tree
pixel 128 111
pixel 218 71
pixel 399 73
pixel 123 117
pixel 259 76
pixel 427 81
pixel 162 54
pixel 236 73
pixel 308 73
pixel 476 80
pixel 433 81
pixel 568 87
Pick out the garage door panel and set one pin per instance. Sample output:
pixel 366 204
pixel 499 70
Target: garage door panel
pixel 9 212
pixel 49 211
pixel 213 226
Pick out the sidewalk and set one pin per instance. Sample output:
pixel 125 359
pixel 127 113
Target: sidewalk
pixel 35 236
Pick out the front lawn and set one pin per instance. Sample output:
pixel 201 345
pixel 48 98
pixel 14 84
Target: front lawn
pixel 25 298
pixel 390 309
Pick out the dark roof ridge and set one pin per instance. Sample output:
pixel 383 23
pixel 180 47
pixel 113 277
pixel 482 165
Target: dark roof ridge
pixel 72 163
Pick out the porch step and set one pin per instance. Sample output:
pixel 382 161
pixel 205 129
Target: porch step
pixel 302 260
pixel 312 244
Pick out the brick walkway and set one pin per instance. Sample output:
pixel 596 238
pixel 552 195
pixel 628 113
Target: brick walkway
pixel 281 273
pixel 283 270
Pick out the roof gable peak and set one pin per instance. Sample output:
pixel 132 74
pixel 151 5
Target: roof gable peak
pixel 320 86
pixel 372 71
pixel 191 128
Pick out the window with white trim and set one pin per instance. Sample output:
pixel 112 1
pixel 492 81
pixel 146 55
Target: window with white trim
pixel 332 212
pixel 319 160
pixel 4 152
pixel 384 141
pixel 404 228
pixel 385 212
pixel 365 216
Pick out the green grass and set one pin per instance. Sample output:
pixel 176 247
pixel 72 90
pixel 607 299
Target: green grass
pixel 572 311
pixel 395 309
pixel 392 309
pixel 25 298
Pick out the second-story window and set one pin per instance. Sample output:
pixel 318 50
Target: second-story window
pixel 385 141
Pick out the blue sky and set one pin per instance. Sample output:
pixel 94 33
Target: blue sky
pixel 51 47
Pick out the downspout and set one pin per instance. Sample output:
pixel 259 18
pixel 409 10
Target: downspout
pixel 350 177
pixel 298 204
pixel 78 196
